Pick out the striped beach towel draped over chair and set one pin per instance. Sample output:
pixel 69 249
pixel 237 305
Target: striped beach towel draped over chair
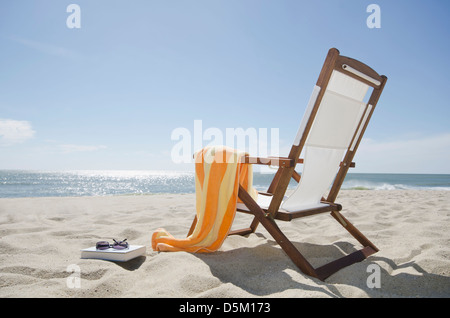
pixel 218 173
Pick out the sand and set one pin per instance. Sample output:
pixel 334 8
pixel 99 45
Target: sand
pixel 41 238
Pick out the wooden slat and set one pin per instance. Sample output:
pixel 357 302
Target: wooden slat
pixel 361 238
pixel 359 66
pixel 194 223
pixel 352 164
pixel 282 162
pixel 296 176
pixel 274 183
pixel 244 231
pixel 272 161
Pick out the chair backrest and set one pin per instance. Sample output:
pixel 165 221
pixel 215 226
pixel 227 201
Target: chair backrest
pixel 332 127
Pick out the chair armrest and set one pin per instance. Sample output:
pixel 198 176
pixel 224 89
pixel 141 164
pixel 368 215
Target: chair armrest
pixel 277 161
pixel 271 161
pixel 352 164
pixel 282 162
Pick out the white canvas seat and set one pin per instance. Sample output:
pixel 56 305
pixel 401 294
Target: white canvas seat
pixel 264 202
pixel 334 126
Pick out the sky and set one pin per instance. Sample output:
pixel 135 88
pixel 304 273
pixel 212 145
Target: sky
pixel 134 80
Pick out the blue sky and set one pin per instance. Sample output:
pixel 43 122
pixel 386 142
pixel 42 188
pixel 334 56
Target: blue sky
pixel 109 94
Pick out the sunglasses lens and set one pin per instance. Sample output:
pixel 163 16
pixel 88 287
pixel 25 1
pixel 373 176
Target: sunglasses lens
pixel 102 245
pixel 120 245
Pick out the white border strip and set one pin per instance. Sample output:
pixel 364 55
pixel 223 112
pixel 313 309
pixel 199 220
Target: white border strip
pixel 363 122
pixel 309 108
pixel 362 75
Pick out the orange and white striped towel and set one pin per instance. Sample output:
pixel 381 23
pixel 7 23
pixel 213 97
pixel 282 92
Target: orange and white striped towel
pixel 218 173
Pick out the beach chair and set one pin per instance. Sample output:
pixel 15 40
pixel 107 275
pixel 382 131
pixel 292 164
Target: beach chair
pixel 329 135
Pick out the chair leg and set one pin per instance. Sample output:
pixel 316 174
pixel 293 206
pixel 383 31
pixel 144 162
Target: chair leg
pixel 269 224
pixel 247 230
pixel 353 230
pixel 294 254
pixel 194 223
pixel 322 272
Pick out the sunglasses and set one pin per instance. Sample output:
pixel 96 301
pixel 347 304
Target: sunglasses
pixel 103 245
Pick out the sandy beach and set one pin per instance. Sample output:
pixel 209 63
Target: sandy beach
pixel 41 239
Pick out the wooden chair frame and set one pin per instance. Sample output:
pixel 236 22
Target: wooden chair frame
pixel 286 171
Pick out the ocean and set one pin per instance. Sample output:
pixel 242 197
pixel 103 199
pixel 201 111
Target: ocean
pixel 25 183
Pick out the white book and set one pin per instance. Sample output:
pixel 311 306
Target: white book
pixel 112 254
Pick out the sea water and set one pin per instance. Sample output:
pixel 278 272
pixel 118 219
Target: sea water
pixel 25 183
